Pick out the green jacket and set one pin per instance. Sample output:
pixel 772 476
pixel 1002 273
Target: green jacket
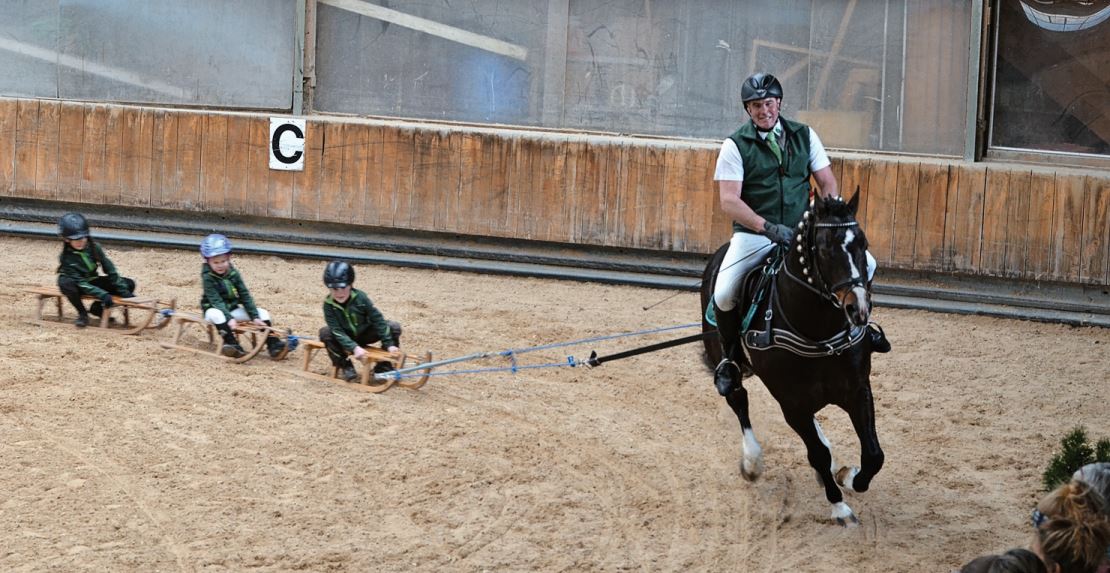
pixel 351 320
pixel 225 292
pixel 778 193
pixel 82 266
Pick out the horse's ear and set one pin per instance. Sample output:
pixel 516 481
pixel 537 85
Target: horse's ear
pixel 853 203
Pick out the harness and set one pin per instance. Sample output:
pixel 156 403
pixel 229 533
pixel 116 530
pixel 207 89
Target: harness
pixel 788 338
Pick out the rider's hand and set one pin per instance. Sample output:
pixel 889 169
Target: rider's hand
pixel 106 300
pixel 359 352
pixel 393 350
pixel 232 324
pixel 780 234
pixel 259 322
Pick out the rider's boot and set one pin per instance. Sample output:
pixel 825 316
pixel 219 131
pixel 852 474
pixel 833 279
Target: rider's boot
pixel 727 376
pixel 879 343
pixel 231 347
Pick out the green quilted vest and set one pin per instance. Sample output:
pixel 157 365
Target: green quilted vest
pixel 777 193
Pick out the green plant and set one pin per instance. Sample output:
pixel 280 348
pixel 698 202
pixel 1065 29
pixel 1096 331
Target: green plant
pixel 1075 452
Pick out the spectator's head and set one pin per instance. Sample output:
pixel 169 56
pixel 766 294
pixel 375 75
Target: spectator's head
pixel 1012 561
pixel 1072 529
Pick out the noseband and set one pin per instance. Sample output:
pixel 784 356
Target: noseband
pixel 807 257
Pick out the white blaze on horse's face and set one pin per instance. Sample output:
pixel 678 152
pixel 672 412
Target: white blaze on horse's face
pixel 854 301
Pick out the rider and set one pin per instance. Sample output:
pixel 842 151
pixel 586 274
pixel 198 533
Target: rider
pixel 763 172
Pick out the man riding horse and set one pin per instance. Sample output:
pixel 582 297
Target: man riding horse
pixel 763 172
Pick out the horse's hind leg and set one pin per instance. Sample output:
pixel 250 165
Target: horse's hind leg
pixel 820 459
pixel 751 454
pixel 862 414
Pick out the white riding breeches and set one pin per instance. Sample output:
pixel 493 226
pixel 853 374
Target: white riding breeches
pixel 238 313
pixel 745 252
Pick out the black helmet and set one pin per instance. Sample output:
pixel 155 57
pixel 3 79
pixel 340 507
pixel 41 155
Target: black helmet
pixel 73 226
pixel 338 274
pixel 759 86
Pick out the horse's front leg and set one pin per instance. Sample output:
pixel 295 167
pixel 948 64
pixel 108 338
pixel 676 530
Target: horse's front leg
pixel 820 459
pixel 751 453
pixel 862 413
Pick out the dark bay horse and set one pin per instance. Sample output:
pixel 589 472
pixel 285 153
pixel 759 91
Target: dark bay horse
pixel 808 343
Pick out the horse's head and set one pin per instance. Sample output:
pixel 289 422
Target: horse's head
pixel 833 254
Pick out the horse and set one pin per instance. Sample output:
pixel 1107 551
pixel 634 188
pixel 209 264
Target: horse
pixel 808 343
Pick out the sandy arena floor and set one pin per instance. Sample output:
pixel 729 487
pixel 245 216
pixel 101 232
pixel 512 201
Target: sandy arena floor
pixel 119 455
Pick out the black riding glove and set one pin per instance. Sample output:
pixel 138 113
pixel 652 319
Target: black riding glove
pixel 106 300
pixel 780 234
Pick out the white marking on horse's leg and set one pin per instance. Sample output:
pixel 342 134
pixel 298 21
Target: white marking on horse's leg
pixel 845 475
pixel 751 463
pixel 824 440
pixel 843 515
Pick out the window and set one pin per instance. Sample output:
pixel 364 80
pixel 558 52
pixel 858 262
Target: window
pixel 1052 77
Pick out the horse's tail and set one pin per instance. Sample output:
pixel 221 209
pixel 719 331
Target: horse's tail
pixel 711 355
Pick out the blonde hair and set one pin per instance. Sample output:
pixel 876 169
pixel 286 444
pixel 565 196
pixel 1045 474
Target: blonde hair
pixel 1076 531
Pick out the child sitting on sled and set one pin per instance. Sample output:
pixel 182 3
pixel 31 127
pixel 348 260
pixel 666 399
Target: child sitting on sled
pixel 78 273
pixel 226 299
pixel 352 322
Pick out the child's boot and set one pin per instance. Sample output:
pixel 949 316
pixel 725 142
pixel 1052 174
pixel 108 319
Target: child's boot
pixel 274 346
pixel 347 371
pixel 231 347
pixel 82 319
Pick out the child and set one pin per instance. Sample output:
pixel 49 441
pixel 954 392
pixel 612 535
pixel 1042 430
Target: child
pixel 77 271
pixel 226 299
pixel 353 322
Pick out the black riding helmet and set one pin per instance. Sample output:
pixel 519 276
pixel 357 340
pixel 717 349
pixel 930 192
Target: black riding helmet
pixel 759 86
pixel 338 274
pixel 73 226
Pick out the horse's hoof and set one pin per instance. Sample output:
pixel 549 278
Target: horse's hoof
pixel 845 475
pixel 751 470
pixel 844 516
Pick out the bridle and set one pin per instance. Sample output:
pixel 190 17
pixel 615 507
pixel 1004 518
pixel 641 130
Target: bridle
pixel 806 248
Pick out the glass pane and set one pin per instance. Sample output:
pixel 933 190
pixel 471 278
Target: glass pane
pixel 1052 80
pixel 467 60
pixel 28 49
pixel 234 54
pixel 206 52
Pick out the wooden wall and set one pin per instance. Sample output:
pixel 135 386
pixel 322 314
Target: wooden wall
pixel 997 219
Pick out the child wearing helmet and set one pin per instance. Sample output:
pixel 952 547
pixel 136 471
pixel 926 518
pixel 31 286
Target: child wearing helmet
pixel 353 322
pixel 78 270
pixel 226 299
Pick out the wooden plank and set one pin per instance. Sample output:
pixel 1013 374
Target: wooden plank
pixel 995 211
pixel 683 189
pixel 878 222
pixel 135 143
pixel 397 174
pixel 71 139
pixel 46 150
pixel 521 182
pixel 449 200
pixel 26 140
pixel 213 163
pixel 854 176
pixel 645 199
pixel 157 156
pixel 8 120
pixel 90 174
pixel 1096 232
pixel 1041 242
pixel 545 204
pixel 306 191
pixel 332 203
pixel 170 182
pixel 1017 223
pixel 353 179
pixel 255 195
pixel 964 238
pixel 279 193
pixel 238 142
pixel 932 202
pixel 905 214
pixel 609 197
pixel 1067 215
pixel 374 198
pixel 590 182
pixel 491 187
pixel 114 156
pixel 190 152
pixel 431 148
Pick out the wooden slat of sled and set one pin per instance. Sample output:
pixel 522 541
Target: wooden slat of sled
pixel 183 320
pixel 152 306
pixel 373 357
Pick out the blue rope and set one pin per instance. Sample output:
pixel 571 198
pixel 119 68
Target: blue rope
pixel 511 352
pixel 514 368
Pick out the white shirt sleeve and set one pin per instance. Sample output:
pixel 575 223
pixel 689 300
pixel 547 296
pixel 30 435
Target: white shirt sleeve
pixel 730 166
pixel 818 159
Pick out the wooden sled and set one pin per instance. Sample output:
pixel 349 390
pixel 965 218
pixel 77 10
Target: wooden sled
pixel 366 382
pixel 213 341
pixel 150 310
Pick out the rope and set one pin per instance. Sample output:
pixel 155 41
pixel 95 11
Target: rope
pixel 596 339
